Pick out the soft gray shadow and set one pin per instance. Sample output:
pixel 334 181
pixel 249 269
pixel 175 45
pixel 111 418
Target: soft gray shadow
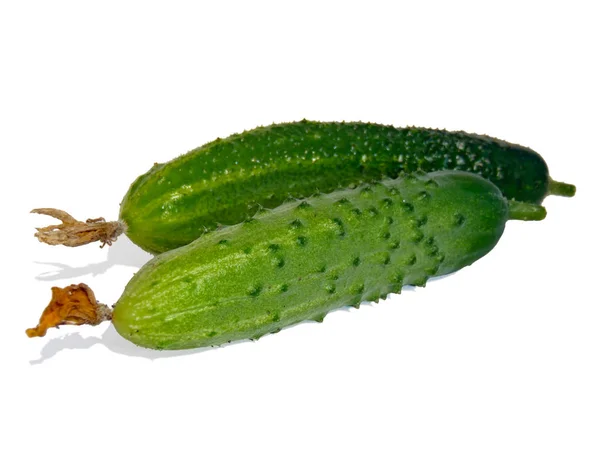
pixel 121 253
pixel 115 343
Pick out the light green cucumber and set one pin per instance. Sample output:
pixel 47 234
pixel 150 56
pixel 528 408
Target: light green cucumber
pixel 308 257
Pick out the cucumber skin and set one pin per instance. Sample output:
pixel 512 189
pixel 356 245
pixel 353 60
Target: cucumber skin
pixel 306 258
pixel 225 181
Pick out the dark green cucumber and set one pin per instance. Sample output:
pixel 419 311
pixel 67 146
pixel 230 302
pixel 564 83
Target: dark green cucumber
pixel 225 181
pixel 308 257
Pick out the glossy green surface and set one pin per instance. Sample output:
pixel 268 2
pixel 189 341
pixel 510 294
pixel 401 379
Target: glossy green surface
pixel 224 181
pixel 305 258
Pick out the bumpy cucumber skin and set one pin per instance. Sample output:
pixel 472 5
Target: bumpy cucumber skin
pixel 225 181
pixel 306 258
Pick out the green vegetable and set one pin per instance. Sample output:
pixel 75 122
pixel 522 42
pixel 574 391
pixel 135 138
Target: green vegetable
pixel 308 257
pixel 227 180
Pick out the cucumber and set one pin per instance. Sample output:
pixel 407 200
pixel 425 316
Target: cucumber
pixel 227 180
pixel 308 257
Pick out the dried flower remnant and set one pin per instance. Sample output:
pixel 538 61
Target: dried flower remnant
pixel 73 305
pixel 73 233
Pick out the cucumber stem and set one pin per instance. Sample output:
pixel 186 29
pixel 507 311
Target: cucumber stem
pixel 561 189
pixel 73 233
pixel 73 305
pixel 525 211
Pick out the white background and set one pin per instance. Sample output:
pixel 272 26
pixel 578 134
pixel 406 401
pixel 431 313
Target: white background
pixel 502 355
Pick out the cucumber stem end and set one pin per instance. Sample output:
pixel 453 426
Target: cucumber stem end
pixel 561 189
pixel 525 211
